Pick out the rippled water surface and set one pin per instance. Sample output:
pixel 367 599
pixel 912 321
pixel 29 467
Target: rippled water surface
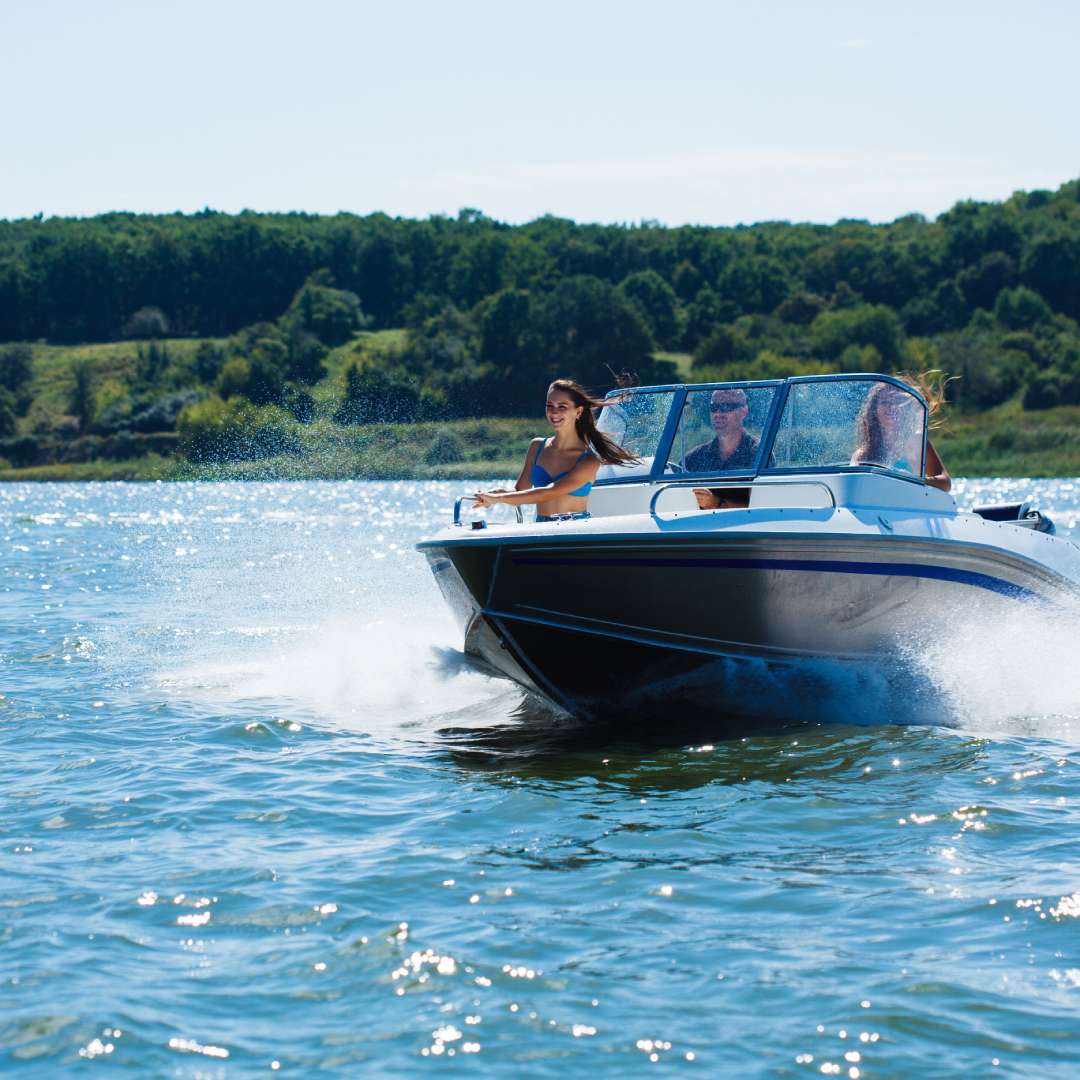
pixel 257 815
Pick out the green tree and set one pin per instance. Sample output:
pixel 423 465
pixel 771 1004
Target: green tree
pixel 656 301
pixel 801 308
pixel 982 282
pixel 868 324
pixel 7 413
pixel 505 321
pixel 1051 267
pixel 1021 308
pixel 477 270
pixel 147 323
pixel 702 317
pixel 687 280
pixel 330 315
pixel 750 285
pixel 81 398
pixel 585 329
pixel 16 374
pixel 725 345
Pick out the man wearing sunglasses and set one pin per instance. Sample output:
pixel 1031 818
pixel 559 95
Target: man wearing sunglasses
pixel 733 447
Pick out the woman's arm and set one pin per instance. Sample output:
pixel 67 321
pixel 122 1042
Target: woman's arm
pixel 584 472
pixel 523 482
pixel 936 473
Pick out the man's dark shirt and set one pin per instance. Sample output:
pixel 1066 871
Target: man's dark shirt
pixel 707 457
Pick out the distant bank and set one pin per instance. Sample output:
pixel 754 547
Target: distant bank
pixel 1005 442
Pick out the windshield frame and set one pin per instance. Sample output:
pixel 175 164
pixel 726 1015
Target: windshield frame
pixel 769 435
pixel 667 437
pixel 769 430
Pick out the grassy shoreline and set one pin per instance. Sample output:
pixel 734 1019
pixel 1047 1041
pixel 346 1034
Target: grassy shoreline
pixel 1006 442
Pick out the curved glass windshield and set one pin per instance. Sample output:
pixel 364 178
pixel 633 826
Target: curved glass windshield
pixel 838 422
pixel 720 430
pixel 636 422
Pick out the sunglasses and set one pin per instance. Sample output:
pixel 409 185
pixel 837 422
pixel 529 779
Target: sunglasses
pixel 726 406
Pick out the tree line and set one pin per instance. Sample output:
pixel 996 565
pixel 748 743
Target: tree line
pixel 988 291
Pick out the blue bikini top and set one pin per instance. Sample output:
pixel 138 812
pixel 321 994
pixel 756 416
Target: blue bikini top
pixel 540 477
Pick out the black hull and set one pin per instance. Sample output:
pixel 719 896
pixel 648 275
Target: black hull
pixel 806 628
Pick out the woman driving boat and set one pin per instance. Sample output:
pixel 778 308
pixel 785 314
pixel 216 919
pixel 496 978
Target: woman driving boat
pixel 559 471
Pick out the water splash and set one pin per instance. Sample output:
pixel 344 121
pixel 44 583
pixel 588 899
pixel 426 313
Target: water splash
pixel 381 676
pixel 1006 668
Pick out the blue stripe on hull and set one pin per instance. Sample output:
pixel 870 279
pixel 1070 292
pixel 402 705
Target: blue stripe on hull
pixel 934 573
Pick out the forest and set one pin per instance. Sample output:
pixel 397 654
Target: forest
pixel 246 336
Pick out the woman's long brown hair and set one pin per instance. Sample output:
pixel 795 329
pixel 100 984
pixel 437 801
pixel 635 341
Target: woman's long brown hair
pixel 869 441
pixel 603 446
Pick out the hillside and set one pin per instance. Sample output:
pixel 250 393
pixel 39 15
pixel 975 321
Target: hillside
pixel 189 341
pixel 1004 441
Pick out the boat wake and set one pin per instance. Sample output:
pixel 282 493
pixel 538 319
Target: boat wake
pixel 378 677
pixel 1006 675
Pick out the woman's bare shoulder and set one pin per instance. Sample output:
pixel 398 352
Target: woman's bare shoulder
pixel 535 447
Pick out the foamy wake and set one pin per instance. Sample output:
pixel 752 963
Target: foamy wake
pixel 378 676
pixel 990 668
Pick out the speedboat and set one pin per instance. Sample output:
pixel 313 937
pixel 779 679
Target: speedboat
pixel 819 547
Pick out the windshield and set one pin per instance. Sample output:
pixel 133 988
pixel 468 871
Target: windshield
pixel 838 422
pixel 720 430
pixel 636 421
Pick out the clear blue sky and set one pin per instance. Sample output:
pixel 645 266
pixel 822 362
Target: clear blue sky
pixel 677 111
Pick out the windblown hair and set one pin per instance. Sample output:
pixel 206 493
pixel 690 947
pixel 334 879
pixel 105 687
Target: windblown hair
pixel 870 442
pixel 603 446
pixel 932 385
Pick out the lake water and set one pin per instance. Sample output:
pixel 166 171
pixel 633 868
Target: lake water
pixel 257 816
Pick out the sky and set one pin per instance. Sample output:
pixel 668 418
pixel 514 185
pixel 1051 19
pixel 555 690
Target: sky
pixel 675 111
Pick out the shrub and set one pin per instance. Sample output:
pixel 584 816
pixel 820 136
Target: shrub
pixel 1042 391
pixel 21 451
pixel 209 360
pixel 160 415
pixel 111 408
pixel 234 377
pixel 7 413
pixel 445 448
pixel 216 430
pixel 15 366
pixel 147 322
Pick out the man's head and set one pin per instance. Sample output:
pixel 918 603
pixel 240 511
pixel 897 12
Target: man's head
pixel 727 411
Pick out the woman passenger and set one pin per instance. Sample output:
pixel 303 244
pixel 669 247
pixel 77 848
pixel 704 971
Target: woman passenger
pixel 559 471
pixel 889 431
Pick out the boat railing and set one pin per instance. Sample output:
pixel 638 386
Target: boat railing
pixel 719 485
pixel 466 498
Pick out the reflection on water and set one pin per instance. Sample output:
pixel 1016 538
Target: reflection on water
pixel 260 815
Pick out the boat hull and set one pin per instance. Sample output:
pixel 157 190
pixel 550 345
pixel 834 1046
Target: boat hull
pixel 602 625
